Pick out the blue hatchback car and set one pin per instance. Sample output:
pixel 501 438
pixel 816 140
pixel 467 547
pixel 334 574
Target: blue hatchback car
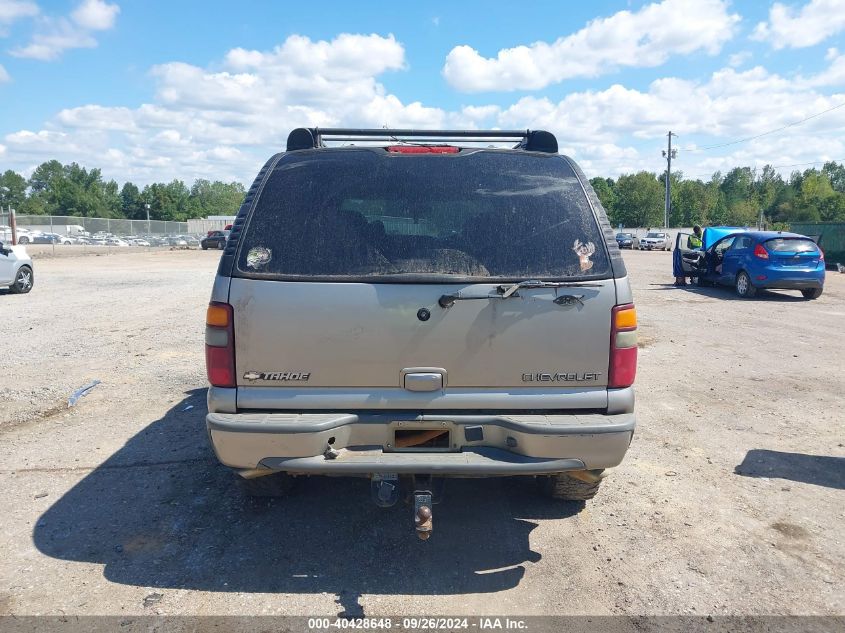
pixel 751 260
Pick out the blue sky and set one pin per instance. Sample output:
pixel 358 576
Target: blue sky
pixel 160 90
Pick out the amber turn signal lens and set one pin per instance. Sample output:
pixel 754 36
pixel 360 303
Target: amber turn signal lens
pixel 626 318
pixel 217 316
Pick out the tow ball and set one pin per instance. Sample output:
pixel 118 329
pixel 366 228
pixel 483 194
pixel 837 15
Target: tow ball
pixel 385 490
pixel 422 514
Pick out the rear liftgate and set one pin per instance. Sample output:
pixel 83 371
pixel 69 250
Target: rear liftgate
pixel 428 490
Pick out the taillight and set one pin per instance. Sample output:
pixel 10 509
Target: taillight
pixel 821 254
pixel 423 149
pixel 761 252
pixel 623 346
pixel 220 345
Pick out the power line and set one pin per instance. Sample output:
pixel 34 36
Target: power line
pixel 756 136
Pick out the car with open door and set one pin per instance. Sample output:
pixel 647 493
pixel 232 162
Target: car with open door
pixel 424 307
pixel 752 260
pixel 16 269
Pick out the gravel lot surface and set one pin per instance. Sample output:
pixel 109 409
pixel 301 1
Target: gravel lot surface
pixel 731 499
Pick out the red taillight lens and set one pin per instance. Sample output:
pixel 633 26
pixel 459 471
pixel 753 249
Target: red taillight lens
pixel 220 345
pixel 623 347
pixel 821 254
pixel 761 252
pixel 423 149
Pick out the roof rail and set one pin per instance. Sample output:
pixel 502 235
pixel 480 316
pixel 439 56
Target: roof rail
pixel 529 140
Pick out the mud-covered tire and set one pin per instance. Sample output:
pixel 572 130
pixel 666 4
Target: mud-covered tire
pixel 565 488
pixel 275 485
pixel 811 293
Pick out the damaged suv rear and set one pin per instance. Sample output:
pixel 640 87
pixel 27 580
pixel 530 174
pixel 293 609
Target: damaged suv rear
pixel 417 308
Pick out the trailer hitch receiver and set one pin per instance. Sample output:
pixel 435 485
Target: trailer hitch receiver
pixel 422 514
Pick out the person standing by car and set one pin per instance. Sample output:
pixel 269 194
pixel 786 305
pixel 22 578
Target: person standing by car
pixel 694 242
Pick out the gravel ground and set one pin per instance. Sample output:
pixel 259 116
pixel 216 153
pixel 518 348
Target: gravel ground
pixel 730 500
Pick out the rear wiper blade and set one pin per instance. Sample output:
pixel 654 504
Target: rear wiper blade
pixel 505 292
pixel 511 291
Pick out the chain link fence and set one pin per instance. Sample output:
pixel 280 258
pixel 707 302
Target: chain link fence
pixel 77 225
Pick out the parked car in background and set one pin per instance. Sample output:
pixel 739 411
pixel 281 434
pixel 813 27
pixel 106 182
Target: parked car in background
pixel 177 242
pixel 754 260
pixel 24 235
pixel 625 240
pixel 116 241
pixel 138 241
pixel 655 240
pixel 44 238
pixel 214 239
pixel 16 270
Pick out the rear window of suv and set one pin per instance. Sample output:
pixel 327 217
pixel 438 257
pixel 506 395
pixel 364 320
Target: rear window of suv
pixel 372 215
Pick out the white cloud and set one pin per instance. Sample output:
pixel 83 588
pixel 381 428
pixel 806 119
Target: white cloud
pixel 224 120
pixel 223 123
pixel 96 15
pixel 13 10
pixel 645 38
pixel 739 59
pixel 55 35
pixel 4 75
pixel 813 23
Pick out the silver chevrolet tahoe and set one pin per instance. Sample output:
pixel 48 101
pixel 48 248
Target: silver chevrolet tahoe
pixel 414 305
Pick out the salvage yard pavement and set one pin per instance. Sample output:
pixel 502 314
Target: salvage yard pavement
pixel 730 500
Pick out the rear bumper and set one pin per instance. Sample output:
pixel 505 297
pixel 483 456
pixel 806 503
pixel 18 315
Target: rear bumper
pixel 479 445
pixel 790 283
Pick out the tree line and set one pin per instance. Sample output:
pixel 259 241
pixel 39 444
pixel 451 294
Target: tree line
pixel 636 200
pixel 738 198
pixel 56 189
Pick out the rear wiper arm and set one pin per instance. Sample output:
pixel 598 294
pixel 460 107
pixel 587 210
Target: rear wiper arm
pixel 505 292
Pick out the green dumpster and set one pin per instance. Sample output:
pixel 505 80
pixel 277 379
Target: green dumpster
pixel 832 238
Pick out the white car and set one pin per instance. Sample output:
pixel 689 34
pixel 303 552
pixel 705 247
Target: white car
pixel 24 235
pixel 139 242
pixel 655 240
pixel 116 241
pixel 16 269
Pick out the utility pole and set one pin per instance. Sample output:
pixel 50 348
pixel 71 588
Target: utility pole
pixel 668 154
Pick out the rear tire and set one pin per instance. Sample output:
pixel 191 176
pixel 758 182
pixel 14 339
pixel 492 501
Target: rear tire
pixel 812 293
pixel 24 281
pixel 220 246
pixel 563 487
pixel 204 246
pixel 275 485
pixel 744 287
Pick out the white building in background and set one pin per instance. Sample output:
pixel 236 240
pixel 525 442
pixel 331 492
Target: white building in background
pixel 201 226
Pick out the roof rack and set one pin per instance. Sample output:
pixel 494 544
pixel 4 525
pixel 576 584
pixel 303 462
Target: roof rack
pixel 529 140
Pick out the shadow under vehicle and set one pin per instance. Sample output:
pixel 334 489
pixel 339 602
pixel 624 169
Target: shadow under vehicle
pixel 161 512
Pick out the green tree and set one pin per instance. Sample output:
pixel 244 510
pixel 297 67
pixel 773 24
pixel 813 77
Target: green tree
pixel 131 202
pixel 214 198
pixel 639 200
pixel 605 190
pixel 12 190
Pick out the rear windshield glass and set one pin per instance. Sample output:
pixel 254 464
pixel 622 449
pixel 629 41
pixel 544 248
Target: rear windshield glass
pixel 369 213
pixel 791 245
